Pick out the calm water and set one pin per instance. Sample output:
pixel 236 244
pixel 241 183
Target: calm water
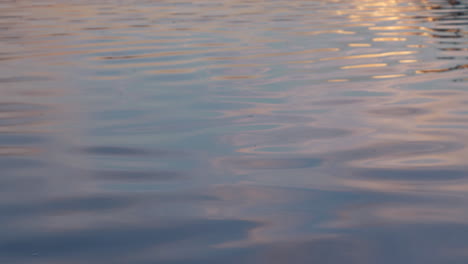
pixel 233 131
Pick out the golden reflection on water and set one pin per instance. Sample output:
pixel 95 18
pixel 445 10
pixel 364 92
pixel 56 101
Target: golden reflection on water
pixel 245 131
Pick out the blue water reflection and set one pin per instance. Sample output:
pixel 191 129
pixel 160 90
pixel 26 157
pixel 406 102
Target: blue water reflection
pixel 239 131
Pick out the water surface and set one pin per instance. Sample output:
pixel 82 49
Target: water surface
pixel 233 131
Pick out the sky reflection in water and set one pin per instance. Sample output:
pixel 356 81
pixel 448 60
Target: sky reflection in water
pixel 235 131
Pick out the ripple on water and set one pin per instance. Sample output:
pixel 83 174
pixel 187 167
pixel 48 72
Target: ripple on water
pixel 398 111
pixel 277 163
pixel 233 131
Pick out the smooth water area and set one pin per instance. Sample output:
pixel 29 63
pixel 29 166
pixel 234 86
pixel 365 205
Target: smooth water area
pixel 233 131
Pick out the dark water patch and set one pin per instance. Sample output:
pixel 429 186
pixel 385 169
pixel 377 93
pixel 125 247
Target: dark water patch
pixel 24 79
pixel 139 175
pixel 140 26
pixel 126 151
pixel 21 107
pixel 10 163
pixel 66 206
pixel 172 77
pixel 396 149
pixel 124 240
pixel 21 139
pixel 11 182
pixel 95 28
pixel 164 126
pixel 364 93
pixel 398 111
pixel 288 135
pixel 16 121
pixel 432 174
pixel 457 67
pixel 320 249
pixel 338 102
pixel 278 163
pixel 395 240
pixel 110 150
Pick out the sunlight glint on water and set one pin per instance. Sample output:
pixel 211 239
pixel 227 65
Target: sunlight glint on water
pixel 231 131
